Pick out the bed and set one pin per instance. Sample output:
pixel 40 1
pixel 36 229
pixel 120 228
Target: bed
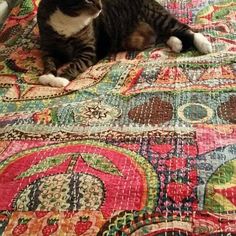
pixel 142 143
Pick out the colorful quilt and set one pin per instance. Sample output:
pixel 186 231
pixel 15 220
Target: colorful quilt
pixel 143 143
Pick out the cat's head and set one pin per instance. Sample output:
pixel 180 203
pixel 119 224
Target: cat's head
pixel 76 7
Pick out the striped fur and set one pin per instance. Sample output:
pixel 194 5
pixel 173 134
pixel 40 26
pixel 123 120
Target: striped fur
pixel 104 26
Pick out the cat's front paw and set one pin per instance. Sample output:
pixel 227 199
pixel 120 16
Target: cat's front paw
pixel 202 44
pixel 53 81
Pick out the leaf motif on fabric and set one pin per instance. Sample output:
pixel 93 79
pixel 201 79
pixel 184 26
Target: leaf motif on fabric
pixel 223 175
pixel 220 189
pixel 43 165
pixel 101 163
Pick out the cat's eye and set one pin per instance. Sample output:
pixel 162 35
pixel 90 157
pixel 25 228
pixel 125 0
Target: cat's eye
pixel 89 1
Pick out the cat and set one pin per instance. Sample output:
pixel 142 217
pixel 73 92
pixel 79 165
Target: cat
pixel 75 34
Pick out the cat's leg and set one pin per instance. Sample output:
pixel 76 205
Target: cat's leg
pixel 49 63
pixel 180 39
pixel 50 70
pixel 177 35
pixel 141 38
pixel 187 38
pixel 79 64
pixel 202 43
pixel 175 44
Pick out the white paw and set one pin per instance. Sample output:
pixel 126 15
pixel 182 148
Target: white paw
pixel 53 80
pixel 201 43
pixel 175 44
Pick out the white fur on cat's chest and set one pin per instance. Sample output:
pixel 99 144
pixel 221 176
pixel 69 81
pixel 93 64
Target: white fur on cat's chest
pixel 67 25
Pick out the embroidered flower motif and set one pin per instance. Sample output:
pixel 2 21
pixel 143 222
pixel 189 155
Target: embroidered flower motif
pixel 97 113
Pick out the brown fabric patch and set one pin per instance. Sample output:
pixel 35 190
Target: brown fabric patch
pixel 227 110
pixel 155 111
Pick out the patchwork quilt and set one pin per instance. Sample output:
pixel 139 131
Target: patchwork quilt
pixel 143 143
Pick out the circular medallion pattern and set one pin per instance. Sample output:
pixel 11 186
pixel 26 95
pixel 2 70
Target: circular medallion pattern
pixel 195 113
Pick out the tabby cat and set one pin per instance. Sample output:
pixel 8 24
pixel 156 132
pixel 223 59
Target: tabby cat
pixel 75 34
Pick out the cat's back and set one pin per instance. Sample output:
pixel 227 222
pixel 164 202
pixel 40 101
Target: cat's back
pixel 120 8
pixel 116 21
